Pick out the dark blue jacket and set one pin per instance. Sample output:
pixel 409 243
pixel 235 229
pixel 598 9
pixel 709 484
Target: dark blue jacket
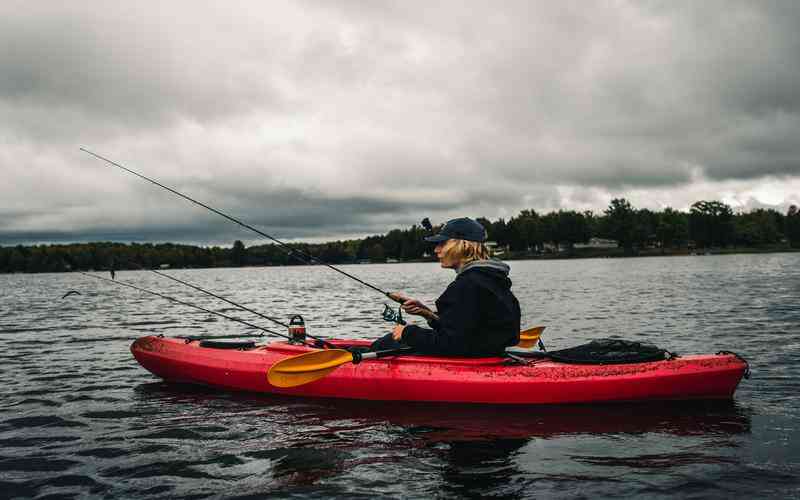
pixel 478 315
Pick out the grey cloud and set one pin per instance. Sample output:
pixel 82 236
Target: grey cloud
pixel 340 118
pixel 283 214
pixel 667 104
pixel 130 66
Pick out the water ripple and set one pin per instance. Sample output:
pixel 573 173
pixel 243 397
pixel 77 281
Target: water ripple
pixel 79 417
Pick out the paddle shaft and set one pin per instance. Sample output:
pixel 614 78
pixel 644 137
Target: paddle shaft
pixel 358 357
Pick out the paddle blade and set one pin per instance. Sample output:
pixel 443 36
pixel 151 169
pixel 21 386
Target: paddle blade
pixel 308 367
pixel 528 338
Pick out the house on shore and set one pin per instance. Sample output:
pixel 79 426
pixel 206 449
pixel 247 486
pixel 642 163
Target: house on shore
pixel 598 243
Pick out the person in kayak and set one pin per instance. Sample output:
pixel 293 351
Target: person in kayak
pixel 477 315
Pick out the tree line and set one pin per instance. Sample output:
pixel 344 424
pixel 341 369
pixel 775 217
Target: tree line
pixel 708 224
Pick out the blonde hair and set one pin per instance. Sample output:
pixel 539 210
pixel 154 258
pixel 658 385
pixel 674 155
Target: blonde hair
pixel 464 251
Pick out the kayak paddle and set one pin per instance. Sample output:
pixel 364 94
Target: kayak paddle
pixel 311 366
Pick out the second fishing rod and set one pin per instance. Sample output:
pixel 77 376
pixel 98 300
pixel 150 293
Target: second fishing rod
pixel 292 338
pixel 298 254
pixel 296 325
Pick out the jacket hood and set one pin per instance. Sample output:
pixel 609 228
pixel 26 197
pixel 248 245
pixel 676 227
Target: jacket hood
pixel 492 266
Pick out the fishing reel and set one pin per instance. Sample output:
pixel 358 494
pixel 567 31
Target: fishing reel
pixel 297 330
pixel 393 316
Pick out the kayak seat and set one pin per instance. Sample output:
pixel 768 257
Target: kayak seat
pixel 215 344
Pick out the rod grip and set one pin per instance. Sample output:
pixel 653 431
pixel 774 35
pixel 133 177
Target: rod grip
pixel 395 297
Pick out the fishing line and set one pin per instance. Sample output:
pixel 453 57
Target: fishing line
pixel 300 255
pixel 177 301
pixel 245 308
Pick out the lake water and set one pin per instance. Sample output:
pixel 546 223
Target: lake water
pixel 80 418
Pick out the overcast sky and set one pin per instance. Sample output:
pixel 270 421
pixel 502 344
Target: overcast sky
pixel 322 120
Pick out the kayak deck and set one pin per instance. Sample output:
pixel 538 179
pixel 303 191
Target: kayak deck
pixel 492 380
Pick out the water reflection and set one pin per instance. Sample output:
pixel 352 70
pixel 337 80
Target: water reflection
pixel 469 450
pixel 454 422
pixel 473 422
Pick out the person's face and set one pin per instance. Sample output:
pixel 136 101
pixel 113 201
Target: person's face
pixel 446 261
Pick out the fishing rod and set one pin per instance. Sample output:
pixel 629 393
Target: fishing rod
pixel 245 308
pixel 177 301
pixel 298 254
pixel 195 287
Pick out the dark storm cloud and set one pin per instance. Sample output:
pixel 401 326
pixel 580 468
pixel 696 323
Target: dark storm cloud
pixel 326 118
pixel 283 214
pixel 128 67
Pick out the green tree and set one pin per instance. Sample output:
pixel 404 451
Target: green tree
pixel 499 232
pixel 672 228
pixel 792 226
pixel 568 227
pixel 758 227
pixel 644 228
pixel 593 223
pixel 238 254
pixel 367 245
pixel 18 260
pixel 620 223
pixel 414 244
pixel 5 253
pixel 335 253
pixel 711 224
pixel 526 231
pixel 393 243
pixel 376 253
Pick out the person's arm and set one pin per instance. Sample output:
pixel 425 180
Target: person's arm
pixel 459 314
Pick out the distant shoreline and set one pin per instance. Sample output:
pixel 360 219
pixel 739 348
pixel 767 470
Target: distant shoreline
pixel 614 253
pixel 711 227
pixel 590 253
pixel 581 253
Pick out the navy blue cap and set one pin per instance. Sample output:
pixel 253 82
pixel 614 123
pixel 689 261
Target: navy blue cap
pixel 460 229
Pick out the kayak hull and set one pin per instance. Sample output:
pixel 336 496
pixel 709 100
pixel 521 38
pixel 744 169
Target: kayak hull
pixel 453 380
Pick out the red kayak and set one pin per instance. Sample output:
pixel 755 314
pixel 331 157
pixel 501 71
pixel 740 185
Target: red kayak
pixel 438 379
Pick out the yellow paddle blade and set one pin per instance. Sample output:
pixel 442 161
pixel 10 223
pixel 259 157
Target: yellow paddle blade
pixel 308 367
pixel 528 338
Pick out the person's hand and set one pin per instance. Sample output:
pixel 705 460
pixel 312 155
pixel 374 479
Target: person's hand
pixel 397 333
pixel 399 297
pixel 415 307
